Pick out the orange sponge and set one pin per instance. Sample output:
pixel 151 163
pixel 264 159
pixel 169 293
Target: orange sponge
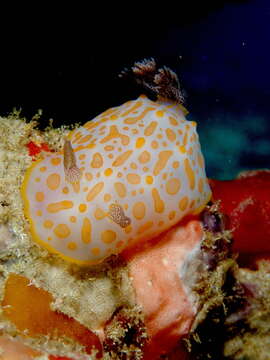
pixel 28 308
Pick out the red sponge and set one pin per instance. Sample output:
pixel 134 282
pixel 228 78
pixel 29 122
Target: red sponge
pixel 34 149
pixel 246 201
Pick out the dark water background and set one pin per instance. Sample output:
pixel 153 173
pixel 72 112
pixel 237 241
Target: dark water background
pixel 67 65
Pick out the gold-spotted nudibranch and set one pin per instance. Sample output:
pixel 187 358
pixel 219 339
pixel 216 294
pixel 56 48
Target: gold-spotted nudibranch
pixel 126 176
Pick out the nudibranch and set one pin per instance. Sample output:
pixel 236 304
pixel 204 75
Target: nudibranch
pixel 126 176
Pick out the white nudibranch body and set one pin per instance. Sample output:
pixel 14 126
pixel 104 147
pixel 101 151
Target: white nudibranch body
pixel 140 169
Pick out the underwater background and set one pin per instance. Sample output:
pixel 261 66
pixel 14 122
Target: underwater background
pixel 67 66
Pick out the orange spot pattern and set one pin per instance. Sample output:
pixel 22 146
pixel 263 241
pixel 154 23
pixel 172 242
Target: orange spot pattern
pixel 121 159
pixel 86 231
pixel 150 128
pixel 53 181
pixel 59 206
pixel 144 157
pixel 97 161
pixel 62 231
pixel 158 202
pixel 95 191
pixel 163 158
pixel 139 210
